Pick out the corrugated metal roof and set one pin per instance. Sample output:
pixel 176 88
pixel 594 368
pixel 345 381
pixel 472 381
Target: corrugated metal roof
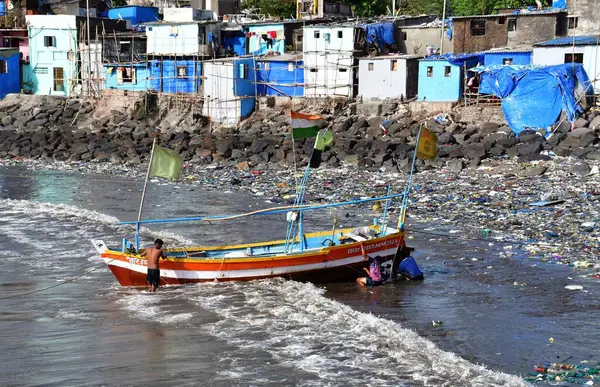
pixel 393 56
pixel 508 51
pixel 281 58
pixel 532 13
pixel 419 27
pixel 590 40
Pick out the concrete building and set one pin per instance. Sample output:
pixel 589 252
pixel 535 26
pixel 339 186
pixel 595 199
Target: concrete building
pixel 280 75
pixel 481 33
pixel 442 81
pixel 315 9
pixel 413 40
pixel 229 89
pixel 10 71
pixel 54 48
pixel 576 49
pixel 583 17
pixel 196 38
pixel 390 76
pixel 330 61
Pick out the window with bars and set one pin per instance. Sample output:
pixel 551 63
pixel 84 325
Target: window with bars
pixel 478 27
pixel 49 41
pixel 3 67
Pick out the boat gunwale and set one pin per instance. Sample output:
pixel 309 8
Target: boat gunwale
pixel 112 254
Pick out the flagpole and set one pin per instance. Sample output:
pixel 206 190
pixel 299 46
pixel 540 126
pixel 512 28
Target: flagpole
pixel 137 225
pixel 412 169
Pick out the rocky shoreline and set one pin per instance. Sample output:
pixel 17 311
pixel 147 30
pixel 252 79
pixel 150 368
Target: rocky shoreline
pixel 483 178
pixel 69 130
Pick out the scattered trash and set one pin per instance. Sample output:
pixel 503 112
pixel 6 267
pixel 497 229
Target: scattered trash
pixel 551 340
pixel 567 373
pixel 436 323
pixel 545 203
pixel 574 287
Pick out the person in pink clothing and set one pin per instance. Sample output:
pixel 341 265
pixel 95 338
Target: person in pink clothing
pixel 374 277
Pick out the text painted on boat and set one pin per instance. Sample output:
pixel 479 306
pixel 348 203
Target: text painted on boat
pixel 137 261
pixel 374 246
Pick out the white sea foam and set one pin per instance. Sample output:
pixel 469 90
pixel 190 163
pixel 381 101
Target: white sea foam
pixel 74 314
pixel 302 329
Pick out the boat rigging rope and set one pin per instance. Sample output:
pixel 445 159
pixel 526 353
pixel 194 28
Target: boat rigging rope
pixel 88 271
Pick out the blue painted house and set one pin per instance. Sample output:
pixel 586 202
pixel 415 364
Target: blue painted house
pixel 502 57
pixel 136 14
pixel 10 71
pixel 442 78
pixel 125 65
pixel 280 75
pixel 230 89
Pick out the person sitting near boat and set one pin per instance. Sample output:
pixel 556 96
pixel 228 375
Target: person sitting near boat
pixel 408 268
pixel 374 277
pixel 153 254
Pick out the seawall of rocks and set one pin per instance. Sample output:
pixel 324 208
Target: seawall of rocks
pixel 69 130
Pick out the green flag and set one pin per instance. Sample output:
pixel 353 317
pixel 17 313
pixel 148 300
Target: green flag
pixel 165 163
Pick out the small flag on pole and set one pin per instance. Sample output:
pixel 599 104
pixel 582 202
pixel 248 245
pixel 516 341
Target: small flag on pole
pixel 165 163
pixel 427 147
pixel 323 140
pixel 304 125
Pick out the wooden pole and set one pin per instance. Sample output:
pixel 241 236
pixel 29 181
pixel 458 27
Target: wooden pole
pixel 443 24
pixel 137 225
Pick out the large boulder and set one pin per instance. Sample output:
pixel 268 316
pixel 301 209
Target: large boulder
pixel 474 151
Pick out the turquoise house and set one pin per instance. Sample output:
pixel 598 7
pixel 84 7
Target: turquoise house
pixel 442 78
pixel 131 77
pixel 53 68
pixel 265 38
pixel 54 54
pixel 10 71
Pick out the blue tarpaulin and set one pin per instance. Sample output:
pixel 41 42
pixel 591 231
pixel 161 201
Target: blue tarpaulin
pixel 380 33
pixel 559 4
pixel 449 30
pixel 534 97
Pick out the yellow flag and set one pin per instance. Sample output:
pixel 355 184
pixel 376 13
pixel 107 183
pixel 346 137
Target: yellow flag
pixel 165 163
pixel 427 145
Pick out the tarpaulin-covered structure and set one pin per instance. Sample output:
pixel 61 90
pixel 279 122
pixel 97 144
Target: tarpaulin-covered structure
pixel 534 97
pixel 380 33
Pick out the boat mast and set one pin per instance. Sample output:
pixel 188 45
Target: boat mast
pixel 137 224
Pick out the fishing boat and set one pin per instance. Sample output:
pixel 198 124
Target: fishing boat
pixel 334 255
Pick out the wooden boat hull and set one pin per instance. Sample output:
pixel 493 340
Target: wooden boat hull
pixel 340 263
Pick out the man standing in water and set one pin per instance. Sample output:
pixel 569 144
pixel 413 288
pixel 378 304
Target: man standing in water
pixel 153 254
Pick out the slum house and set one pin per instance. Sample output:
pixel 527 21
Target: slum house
pixel 389 76
pixel 135 14
pixel 442 78
pixel 331 55
pixel 15 38
pixel 479 89
pixel 230 89
pixel 256 38
pixel 60 64
pixel 573 49
pixel 179 46
pixel 481 33
pixel 220 7
pixel 507 57
pixel 311 9
pixel 583 16
pixel 125 62
pixel 415 40
pixel 72 7
pixel 10 71
pixel 280 75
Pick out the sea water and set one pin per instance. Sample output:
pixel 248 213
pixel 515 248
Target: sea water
pixel 65 320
